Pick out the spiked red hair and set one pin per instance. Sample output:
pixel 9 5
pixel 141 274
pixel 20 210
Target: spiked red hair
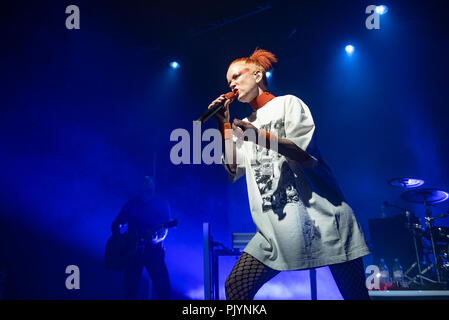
pixel 261 59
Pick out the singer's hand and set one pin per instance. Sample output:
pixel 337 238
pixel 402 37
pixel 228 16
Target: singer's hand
pixel 244 125
pixel 223 115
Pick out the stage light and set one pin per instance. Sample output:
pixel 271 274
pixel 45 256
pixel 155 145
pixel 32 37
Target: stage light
pixel 174 65
pixel 268 74
pixel 381 9
pixel 349 49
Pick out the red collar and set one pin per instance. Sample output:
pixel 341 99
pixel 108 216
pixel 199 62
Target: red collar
pixel 259 101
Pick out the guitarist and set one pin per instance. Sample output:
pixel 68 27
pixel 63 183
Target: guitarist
pixel 137 220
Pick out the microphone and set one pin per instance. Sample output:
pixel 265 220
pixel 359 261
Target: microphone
pixel 215 108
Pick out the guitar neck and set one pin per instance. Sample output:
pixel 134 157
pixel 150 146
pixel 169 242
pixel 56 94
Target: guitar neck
pixel 170 224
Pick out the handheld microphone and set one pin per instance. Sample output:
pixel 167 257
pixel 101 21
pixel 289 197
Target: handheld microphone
pixel 215 108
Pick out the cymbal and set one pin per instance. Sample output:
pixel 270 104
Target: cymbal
pixel 406 182
pixel 427 195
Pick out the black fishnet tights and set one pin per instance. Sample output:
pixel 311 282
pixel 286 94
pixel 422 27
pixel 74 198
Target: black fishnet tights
pixel 350 279
pixel 249 275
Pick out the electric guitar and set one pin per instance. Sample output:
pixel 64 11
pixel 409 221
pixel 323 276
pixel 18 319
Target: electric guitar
pixel 123 245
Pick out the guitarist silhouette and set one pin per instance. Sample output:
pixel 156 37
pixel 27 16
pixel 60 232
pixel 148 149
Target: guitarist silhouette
pixel 137 238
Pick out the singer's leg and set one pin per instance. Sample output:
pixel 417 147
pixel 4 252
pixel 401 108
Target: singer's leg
pixel 247 277
pixel 350 279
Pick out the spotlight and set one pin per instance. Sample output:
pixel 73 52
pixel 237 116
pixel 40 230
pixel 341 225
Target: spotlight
pixel 268 74
pixel 349 49
pixel 174 65
pixel 381 9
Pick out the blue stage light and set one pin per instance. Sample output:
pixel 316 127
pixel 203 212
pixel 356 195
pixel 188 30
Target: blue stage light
pixel 349 49
pixel 174 65
pixel 268 74
pixel 381 9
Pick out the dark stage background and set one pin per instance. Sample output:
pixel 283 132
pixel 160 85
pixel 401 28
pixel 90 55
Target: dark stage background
pixel 86 113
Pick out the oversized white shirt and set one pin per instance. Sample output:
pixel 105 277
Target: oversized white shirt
pixel 300 213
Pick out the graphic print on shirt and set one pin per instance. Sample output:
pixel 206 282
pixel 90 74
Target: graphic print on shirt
pixel 277 185
pixel 267 174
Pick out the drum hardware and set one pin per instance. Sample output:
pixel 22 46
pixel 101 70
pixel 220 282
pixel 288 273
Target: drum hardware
pixel 432 241
pixel 427 197
pixel 414 227
pixel 420 275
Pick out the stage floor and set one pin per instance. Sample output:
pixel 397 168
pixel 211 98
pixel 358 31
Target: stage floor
pixel 410 295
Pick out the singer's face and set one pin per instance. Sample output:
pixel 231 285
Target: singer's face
pixel 242 82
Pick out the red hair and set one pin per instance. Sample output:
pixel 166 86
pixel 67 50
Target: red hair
pixel 261 59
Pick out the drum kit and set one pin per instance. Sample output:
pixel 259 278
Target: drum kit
pixel 433 241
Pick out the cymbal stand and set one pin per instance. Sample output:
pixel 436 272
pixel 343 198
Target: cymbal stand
pixel 429 226
pixel 417 263
pixel 421 273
